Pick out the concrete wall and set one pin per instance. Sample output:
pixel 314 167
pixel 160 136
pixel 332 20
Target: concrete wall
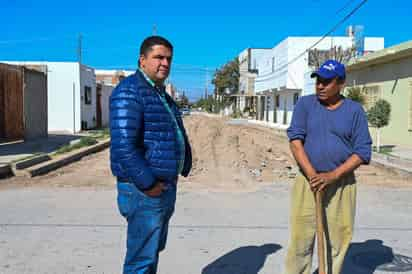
pixel 267 79
pixel 106 92
pixel 88 111
pixel 248 60
pixel 270 108
pixel 286 108
pixel 35 104
pixel 243 58
pixel 309 84
pixel 64 96
pixel 395 82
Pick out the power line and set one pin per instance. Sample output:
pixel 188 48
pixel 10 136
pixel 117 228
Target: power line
pixel 320 40
pixel 344 6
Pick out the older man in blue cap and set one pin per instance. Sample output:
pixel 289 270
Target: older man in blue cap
pixel 329 139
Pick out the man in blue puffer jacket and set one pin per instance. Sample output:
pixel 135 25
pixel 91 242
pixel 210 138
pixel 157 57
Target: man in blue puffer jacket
pixel 149 149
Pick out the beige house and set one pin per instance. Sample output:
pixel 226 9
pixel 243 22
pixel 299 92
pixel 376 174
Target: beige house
pixel 387 74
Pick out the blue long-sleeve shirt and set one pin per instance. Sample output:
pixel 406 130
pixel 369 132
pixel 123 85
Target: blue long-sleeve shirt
pixel 330 137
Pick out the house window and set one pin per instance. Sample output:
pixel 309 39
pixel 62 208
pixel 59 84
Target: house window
pixel 372 94
pixel 295 98
pixel 277 101
pixel 87 95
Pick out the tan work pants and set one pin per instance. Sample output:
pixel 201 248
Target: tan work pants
pixel 339 203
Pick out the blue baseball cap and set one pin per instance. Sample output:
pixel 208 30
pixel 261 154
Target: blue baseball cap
pixel 330 69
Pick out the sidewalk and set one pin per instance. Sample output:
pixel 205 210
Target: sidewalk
pixel 11 152
pixel 399 160
pixel 402 152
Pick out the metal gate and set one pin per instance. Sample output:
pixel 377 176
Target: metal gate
pixel 11 102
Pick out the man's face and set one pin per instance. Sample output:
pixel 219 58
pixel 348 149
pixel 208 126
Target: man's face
pixel 156 63
pixel 327 88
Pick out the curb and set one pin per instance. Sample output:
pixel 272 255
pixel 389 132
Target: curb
pixel 69 158
pixel 30 162
pixel 393 164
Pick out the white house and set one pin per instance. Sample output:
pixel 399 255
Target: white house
pixel 71 95
pixel 283 70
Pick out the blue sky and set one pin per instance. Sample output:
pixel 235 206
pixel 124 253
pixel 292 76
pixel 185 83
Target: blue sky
pixel 206 34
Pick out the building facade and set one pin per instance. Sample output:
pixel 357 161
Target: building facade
pixel 387 74
pixel 283 72
pixel 71 95
pixel 23 102
pixel 111 77
pixel 246 97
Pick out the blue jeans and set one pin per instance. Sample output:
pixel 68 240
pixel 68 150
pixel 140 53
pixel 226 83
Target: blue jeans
pixel 147 226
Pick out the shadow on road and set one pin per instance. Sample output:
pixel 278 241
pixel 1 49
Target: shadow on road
pixel 41 145
pixel 372 255
pixel 242 260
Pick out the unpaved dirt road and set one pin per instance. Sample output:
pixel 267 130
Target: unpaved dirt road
pixel 226 157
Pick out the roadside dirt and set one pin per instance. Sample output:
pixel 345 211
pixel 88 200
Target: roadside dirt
pixel 234 156
pixel 225 158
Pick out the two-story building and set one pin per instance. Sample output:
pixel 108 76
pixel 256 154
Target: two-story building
pixel 248 59
pixel 282 72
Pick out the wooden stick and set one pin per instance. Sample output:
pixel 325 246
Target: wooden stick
pixel 320 232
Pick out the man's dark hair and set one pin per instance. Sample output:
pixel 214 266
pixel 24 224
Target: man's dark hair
pixel 340 80
pixel 151 41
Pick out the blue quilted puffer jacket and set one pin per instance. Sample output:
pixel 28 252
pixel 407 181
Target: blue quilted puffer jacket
pixel 144 146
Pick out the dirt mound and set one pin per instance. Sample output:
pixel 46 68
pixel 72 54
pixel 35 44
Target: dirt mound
pixel 234 156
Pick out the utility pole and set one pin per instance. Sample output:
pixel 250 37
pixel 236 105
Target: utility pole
pixel 79 49
pixel 154 30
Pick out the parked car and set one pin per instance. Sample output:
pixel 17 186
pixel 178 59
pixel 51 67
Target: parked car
pixel 185 111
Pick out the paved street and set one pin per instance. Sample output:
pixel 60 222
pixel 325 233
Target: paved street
pixel 78 230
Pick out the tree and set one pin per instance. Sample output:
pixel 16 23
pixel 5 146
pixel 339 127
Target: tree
pixel 355 94
pixel 183 101
pixel 318 57
pixel 208 104
pixel 226 79
pixel 378 117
